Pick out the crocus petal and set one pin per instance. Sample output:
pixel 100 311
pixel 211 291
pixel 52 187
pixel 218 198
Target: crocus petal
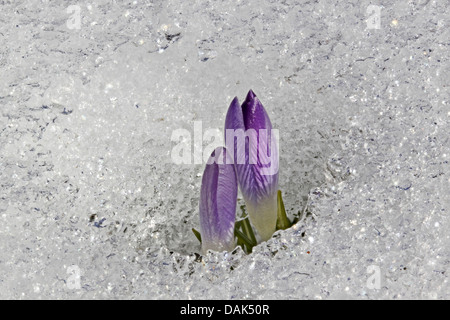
pixel 254 179
pixel 218 203
pixel 256 160
pixel 255 116
pixel 234 119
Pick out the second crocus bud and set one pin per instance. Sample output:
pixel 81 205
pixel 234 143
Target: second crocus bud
pixel 249 136
pixel 218 202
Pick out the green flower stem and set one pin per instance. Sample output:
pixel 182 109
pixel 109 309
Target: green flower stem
pixel 237 226
pixel 248 230
pixel 243 238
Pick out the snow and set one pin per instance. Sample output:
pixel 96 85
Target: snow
pixel 93 206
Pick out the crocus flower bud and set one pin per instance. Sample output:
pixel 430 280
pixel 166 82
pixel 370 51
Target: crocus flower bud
pixel 249 136
pixel 218 202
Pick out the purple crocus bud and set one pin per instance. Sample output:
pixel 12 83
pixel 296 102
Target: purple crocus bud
pixel 218 202
pixel 255 154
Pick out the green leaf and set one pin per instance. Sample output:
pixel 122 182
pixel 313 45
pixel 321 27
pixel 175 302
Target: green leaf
pixel 282 220
pixel 197 234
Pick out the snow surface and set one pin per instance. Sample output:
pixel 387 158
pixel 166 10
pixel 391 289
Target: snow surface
pixel 93 206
